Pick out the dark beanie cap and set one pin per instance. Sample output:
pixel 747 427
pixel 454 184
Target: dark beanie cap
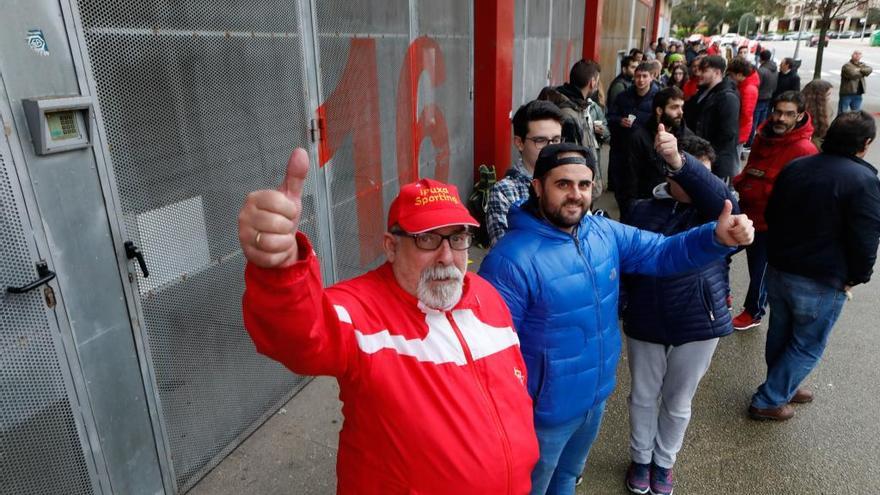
pixel 547 158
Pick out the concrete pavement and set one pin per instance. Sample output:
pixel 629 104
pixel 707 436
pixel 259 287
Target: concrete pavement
pixel 830 447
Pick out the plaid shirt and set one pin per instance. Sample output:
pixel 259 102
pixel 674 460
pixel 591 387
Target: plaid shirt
pixel 511 190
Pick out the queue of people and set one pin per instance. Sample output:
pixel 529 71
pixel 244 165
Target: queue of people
pixel 497 382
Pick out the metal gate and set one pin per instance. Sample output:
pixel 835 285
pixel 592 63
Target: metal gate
pixel 201 102
pixel 548 41
pixel 42 438
pixel 395 82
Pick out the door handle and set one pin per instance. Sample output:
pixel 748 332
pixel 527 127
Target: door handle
pixel 132 252
pixel 45 276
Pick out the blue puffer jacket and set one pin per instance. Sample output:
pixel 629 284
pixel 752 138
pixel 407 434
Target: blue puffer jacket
pixel 690 306
pixel 562 290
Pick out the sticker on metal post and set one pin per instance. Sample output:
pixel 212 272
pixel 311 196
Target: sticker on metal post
pixel 37 41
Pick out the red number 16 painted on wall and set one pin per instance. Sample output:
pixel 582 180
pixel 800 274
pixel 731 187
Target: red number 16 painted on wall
pixel 352 109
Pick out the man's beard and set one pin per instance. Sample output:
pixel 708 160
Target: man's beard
pixel 440 287
pixel 560 219
pixel 671 124
pixel 780 128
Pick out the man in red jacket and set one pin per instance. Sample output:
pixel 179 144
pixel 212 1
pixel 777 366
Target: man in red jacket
pixel 429 368
pixel 747 82
pixel 784 136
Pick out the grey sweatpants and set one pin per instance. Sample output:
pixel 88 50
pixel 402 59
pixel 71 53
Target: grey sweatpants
pixel 664 381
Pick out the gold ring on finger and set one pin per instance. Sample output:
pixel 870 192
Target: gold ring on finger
pixel 257 238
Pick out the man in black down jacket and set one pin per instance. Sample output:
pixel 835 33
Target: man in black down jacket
pixel 673 323
pixel 823 222
pixel 715 113
pixel 788 79
pixel 644 167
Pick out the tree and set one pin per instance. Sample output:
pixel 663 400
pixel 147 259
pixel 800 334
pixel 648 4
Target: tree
pixel 827 11
pixel 746 24
pixel 873 16
pixel 714 13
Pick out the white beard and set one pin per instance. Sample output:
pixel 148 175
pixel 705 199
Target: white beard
pixel 440 295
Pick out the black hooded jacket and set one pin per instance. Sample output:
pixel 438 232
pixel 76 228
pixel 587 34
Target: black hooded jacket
pixel 645 168
pixel 713 115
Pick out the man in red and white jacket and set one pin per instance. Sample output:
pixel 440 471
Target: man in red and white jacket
pixel 429 368
pixel 783 137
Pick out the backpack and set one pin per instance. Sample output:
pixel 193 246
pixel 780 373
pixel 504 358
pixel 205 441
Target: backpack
pixel 478 202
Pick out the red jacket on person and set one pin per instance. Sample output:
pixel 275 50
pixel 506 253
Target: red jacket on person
pixel 770 154
pixel 690 88
pixel 434 401
pixel 748 98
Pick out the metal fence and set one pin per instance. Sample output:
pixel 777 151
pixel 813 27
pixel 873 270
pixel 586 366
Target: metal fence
pixel 395 86
pixel 548 41
pixel 201 102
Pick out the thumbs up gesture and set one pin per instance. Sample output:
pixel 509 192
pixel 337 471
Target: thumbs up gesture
pixel 734 230
pixel 268 221
pixel 666 145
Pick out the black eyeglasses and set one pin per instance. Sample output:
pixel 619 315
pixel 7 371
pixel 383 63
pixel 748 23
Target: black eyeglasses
pixel 430 241
pixel 542 141
pixel 780 113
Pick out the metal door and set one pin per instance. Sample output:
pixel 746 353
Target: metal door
pixel 198 103
pixel 43 441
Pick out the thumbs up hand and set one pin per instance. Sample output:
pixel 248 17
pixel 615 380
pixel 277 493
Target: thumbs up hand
pixel 734 230
pixel 666 145
pixel 268 221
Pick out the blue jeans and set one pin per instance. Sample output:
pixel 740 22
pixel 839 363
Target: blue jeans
pixel 849 103
pixel 756 254
pixel 802 313
pixel 564 449
pixel 762 109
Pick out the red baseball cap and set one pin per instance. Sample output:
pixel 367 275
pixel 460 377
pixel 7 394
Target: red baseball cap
pixel 427 205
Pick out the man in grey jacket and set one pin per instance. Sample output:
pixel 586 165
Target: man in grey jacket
pixel 769 75
pixel 852 84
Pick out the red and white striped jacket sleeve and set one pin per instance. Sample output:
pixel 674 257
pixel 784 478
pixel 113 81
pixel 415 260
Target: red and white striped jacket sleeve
pixel 292 320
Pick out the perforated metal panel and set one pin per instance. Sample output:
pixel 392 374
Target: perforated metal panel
pixel 537 48
pixel 40 444
pixel 386 25
pixel 560 46
pixel 382 31
pixel 548 41
pixel 449 24
pixel 577 31
pixel 519 42
pixel 202 102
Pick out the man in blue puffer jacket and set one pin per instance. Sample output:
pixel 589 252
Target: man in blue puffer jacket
pixel 672 323
pixel 558 270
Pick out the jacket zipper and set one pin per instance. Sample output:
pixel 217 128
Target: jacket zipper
pixel 600 367
pixel 707 301
pixel 493 410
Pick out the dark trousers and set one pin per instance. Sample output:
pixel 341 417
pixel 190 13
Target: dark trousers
pixel 762 110
pixel 756 254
